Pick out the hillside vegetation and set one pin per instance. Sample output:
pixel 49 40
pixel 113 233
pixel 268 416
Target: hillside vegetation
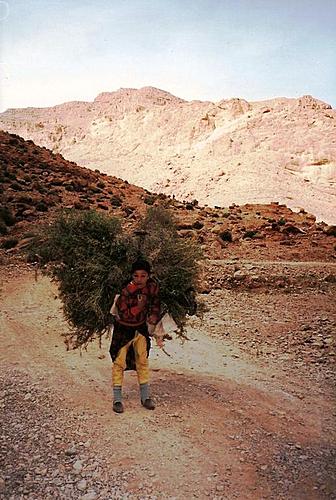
pixel 36 184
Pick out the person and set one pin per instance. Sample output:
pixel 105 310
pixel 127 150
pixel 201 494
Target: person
pixel 137 312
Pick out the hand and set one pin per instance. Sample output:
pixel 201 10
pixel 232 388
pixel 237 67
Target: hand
pixel 152 319
pixel 159 342
pixel 151 329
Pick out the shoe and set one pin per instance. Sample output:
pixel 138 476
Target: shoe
pixel 149 404
pixel 118 407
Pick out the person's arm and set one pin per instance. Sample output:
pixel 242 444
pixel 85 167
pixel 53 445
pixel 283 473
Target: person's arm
pixel 123 302
pixel 131 303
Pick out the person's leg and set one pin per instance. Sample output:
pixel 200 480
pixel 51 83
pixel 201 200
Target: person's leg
pixel 142 368
pixel 118 368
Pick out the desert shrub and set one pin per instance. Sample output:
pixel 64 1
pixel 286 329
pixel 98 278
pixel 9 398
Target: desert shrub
pixel 149 200
pixel 9 243
pixel 25 198
pixel 41 206
pixel 29 234
pixel 128 210
pixel 249 234
pixel 330 230
pixel 54 193
pixel 57 182
pixel 3 228
pixel 226 235
pixel 10 175
pixel 16 186
pixel 39 187
pixel 79 185
pixel 89 256
pixel 6 216
pixel 13 141
pixel 116 201
pixel 79 206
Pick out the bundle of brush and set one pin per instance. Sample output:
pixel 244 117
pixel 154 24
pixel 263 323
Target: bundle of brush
pixel 89 256
pixel 175 262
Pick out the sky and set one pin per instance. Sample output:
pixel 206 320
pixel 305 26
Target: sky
pixel 53 51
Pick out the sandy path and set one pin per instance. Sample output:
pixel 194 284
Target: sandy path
pixel 225 426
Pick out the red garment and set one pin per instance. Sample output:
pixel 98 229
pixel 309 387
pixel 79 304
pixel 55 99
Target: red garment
pixel 137 305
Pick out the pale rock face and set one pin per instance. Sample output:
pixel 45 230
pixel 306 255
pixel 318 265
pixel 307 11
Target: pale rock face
pixel 232 151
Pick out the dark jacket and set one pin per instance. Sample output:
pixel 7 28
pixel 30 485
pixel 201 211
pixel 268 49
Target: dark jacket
pixel 136 306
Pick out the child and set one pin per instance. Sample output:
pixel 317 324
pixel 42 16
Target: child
pixel 138 311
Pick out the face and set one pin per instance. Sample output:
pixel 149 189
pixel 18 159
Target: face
pixel 140 277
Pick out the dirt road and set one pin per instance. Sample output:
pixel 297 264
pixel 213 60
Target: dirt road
pixel 230 422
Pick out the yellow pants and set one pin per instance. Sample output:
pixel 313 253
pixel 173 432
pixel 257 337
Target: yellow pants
pixel 141 361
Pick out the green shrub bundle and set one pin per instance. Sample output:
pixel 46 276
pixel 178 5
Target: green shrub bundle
pixel 174 262
pixel 90 256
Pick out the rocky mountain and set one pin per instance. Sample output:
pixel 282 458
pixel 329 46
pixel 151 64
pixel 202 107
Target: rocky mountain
pixel 232 151
pixel 35 183
pixel 261 354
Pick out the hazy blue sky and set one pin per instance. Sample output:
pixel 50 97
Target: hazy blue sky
pixel 54 51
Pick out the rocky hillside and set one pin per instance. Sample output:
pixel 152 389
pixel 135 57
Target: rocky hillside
pixel 232 151
pixel 35 183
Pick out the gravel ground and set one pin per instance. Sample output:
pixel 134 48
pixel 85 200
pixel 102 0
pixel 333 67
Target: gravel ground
pixel 245 408
pixel 45 451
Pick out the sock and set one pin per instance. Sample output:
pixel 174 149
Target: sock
pixel 117 393
pixel 144 391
